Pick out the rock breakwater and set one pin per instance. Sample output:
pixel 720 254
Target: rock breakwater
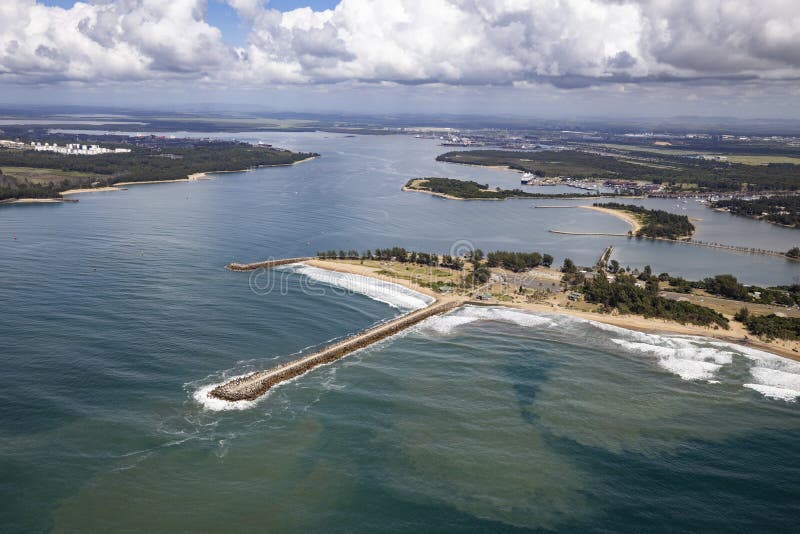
pixel 254 385
pixel 263 264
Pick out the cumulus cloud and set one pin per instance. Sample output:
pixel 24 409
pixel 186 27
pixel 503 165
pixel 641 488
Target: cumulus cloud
pixel 117 41
pixel 569 43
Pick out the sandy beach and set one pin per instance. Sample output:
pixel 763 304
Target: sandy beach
pixel 32 201
pixel 735 334
pixel 88 190
pixel 365 270
pixel 623 215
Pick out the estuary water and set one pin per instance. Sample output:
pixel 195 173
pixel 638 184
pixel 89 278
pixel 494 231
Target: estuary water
pixel 117 311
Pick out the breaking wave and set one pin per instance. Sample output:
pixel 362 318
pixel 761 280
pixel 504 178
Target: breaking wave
pixel 447 323
pixel 689 357
pixel 394 295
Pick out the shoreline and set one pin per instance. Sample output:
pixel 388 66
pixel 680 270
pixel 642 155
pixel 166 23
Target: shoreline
pixel 634 223
pixel 35 201
pixel 190 178
pixel 250 387
pixel 88 190
pixel 450 197
pixel 638 323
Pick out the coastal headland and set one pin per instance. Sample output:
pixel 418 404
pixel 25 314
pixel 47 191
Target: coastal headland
pixel 254 385
pixel 27 176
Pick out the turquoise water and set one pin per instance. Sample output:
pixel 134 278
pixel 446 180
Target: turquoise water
pixel 117 311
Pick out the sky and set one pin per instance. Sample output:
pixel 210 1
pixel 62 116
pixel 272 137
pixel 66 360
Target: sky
pixel 548 58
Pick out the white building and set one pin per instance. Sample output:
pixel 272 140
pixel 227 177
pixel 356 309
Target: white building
pixel 75 149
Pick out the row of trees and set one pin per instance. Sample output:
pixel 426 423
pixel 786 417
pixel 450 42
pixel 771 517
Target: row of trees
pixel 625 296
pixel 398 254
pixel 518 261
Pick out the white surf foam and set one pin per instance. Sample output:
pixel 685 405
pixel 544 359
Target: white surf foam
pixel 681 356
pixel 218 405
pixel 773 376
pixel 689 357
pixel 774 392
pixel 394 295
pixel 447 323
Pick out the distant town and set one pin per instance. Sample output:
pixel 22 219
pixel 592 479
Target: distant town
pixel 70 149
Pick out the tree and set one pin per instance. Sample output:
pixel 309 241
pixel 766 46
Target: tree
pixel 794 252
pixel 726 285
pixel 547 260
pixel 742 315
pixel 481 274
pixel 568 266
pixel 613 266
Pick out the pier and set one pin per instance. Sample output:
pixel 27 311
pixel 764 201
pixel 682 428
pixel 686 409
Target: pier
pixel 254 385
pixel 604 257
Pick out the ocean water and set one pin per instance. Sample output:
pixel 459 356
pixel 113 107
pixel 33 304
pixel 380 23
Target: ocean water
pixel 117 313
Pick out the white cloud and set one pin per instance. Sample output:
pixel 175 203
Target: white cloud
pixel 458 42
pixel 119 41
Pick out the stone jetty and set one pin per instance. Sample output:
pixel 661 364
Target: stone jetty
pixel 263 264
pixel 256 384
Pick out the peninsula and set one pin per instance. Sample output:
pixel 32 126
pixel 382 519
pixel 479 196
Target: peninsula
pixel 454 189
pixel 27 174
pixel 656 224
pixel 519 280
pixel 783 210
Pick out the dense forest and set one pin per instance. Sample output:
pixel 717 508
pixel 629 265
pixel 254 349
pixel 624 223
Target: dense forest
pixel 656 223
pixel 627 298
pixel 467 189
pixel 142 165
pixel 675 170
pixel 784 209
